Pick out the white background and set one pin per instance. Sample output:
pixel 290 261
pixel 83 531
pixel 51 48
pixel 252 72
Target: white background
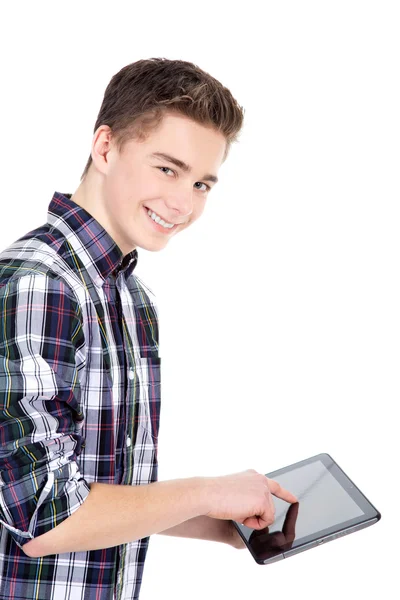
pixel 279 308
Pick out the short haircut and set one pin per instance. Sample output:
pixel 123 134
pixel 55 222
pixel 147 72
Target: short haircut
pixel 138 96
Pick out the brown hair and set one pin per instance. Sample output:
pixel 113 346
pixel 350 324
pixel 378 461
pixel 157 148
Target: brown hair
pixel 138 95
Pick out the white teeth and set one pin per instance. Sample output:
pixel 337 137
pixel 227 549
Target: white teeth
pixel 159 220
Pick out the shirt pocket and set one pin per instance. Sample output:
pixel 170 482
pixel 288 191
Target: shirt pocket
pixel 149 369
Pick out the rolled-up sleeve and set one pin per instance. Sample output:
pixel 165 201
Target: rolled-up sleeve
pixel 41 336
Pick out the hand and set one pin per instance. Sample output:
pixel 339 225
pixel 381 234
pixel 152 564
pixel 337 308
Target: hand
pixel 244 497
pixel 266 544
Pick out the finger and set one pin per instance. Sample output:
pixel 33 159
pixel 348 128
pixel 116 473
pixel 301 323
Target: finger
pixel 280 492
pixel 270 502
pixel 272 506
pixel 258 521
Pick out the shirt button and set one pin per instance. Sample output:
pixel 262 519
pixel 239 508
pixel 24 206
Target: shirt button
pixel 128 441
pixel 99 280
pixel 131 374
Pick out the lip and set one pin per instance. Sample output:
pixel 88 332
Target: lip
pixel 157 226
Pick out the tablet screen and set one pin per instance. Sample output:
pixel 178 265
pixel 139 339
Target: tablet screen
pixel 327 503
pixel 322 500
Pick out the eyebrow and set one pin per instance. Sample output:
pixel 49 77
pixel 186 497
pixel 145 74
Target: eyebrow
pixel 182 165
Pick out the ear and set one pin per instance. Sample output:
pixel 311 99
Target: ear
pixel 101 148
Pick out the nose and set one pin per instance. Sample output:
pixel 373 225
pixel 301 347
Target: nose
pixel 180 202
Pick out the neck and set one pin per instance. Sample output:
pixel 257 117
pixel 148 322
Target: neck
pixel 89 195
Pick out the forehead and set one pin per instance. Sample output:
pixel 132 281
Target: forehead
pixel 186 139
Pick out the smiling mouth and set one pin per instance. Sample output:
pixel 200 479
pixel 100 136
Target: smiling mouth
pixel 161 227
pixel 152 211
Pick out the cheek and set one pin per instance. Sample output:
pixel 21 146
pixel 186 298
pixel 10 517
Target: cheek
pixel 117 189
pixel 125 182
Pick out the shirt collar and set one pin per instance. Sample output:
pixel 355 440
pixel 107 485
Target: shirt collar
pixel 98 252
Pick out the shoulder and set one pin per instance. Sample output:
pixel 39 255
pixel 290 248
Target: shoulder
pixel 35 262
pixel 30 294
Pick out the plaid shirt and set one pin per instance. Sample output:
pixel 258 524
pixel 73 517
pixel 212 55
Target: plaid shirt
pixel 79 400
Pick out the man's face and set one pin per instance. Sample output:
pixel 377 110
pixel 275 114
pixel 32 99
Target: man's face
pixel 135 182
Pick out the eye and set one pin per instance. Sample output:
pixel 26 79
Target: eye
pixel 168 169
pixel 207 187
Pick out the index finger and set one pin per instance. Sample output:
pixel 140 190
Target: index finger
pixel 277 490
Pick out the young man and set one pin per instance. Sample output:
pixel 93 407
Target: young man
pixel 80 370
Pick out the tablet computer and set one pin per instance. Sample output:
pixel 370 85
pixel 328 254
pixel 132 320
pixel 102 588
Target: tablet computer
pixel 329 506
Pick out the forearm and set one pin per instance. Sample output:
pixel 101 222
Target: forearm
pixel 203 528
pixel 117 514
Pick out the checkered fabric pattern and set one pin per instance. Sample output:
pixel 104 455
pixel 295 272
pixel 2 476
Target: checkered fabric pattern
pixel 79 400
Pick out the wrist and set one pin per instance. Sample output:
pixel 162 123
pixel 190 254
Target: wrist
pixel 204 493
